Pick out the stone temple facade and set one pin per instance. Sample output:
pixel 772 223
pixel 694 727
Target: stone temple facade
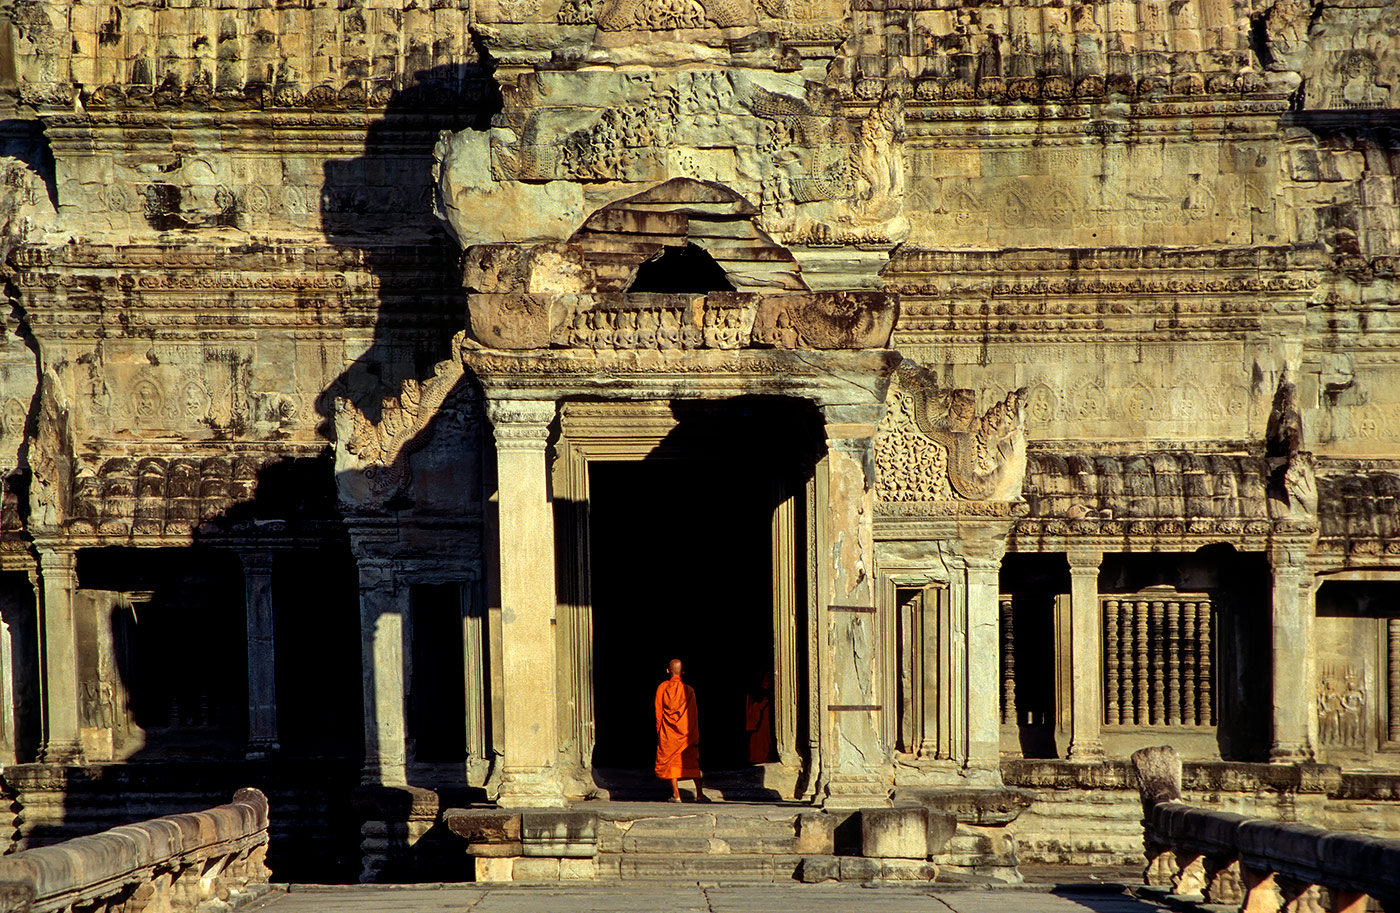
pixel 389 388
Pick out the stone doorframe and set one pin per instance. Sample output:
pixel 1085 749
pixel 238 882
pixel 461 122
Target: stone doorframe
pixel 523 391
pixel 632 431
pixel 952 664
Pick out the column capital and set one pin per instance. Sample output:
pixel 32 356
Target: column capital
pixel 1084 561
pixel 257 561
pixel 56 561
pixel 521 417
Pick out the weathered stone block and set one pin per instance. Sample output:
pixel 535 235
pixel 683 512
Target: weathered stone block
pixel 536 868
pixel 907 870
pixel 942 826
pixel 894 832
pixel 559 833
pixel 820 868
pixel 858 868
pixel 494 869
pixel 816 835
pixel 697 867
pixel 578 869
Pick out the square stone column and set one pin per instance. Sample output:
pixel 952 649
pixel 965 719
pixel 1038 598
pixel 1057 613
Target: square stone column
pixel 1294 677
pixel 856 766
pixel 530 774
pixel 62 735
pixel 981 553
pixel 1085 657
pixel 262 668
pixel 383 608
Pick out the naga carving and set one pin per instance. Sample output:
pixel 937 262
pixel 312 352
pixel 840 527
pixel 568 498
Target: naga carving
pixel 932 445
pixel 377 452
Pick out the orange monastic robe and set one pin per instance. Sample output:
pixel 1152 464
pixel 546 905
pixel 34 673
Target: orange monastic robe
pixel 677 731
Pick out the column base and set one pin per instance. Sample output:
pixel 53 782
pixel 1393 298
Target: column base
pixel 531 788
pixel 856 791
pixel 1290 753
pixel 262 750
pixel 392 775
pixel 65 752
pixel 1086 752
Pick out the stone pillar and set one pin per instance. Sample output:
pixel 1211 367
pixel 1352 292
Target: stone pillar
pixel 1294 679
pixel 982 555
pixel 530 775
pixel 383 607
pixel 1085 656
pixel 855 766
pixel 262 669
pixel 62 736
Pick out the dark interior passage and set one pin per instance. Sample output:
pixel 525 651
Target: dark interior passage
pixel 681 555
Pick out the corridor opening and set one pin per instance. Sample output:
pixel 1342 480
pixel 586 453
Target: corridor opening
pixel 681 568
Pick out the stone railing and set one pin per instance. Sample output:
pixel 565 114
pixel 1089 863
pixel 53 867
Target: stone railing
pixel 1264 866
pixel 210 860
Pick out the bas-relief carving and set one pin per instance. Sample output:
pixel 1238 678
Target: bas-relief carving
pixel 933 446
pixel 821 177
pixel 1082 191
pixel 1345 696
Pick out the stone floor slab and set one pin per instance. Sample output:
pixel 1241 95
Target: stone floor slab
pixel 655 898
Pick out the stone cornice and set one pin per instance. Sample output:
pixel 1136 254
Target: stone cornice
pixel 825 377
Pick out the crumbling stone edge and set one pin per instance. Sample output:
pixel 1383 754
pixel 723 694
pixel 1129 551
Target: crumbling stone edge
pixel 210 861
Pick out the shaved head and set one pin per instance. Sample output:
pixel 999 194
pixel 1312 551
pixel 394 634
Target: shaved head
pixel 675 667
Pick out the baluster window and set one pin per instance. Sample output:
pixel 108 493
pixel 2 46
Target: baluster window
pixel 1158 659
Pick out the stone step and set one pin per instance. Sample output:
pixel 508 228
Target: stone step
pixel 718 867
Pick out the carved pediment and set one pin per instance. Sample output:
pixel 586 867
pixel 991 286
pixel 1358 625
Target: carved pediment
pixel 582 294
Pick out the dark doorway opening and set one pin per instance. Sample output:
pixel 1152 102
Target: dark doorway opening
pixel 681 555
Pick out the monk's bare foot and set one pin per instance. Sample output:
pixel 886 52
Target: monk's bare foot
pixel 701 797
pixel 674 799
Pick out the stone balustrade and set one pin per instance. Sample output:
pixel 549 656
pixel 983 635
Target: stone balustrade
pixel 210 861
pixel 1264 866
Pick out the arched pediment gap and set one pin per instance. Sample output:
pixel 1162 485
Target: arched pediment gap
pixel 619 239
pixel 681 270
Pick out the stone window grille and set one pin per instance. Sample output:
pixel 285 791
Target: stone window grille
pixel 1027 681
pixel 1159 658
pixel 1393 680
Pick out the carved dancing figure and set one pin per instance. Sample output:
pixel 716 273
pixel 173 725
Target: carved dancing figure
pixel 1353 702
pixel 1329 710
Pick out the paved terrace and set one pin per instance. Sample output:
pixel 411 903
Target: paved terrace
pixel 693 898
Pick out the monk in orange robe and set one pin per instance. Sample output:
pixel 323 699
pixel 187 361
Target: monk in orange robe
pixel 758 720
pixel 678 735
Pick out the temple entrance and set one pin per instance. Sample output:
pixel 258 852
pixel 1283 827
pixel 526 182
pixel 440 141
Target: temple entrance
pixel 684 531
pixel 681 567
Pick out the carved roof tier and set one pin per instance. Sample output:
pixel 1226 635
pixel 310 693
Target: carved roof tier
pixel 1149 497
pixel 177 497
pixel 1359 508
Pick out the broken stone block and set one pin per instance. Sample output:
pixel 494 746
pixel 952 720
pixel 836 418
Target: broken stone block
pixel 895 833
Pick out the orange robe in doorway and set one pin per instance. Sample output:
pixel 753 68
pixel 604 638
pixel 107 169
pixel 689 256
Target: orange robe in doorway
pixel 677 731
